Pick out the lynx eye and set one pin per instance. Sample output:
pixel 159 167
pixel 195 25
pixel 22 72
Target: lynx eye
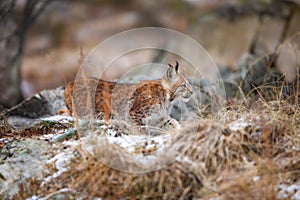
pixel 182 87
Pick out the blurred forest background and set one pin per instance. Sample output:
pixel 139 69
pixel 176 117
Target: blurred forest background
pixel 42 41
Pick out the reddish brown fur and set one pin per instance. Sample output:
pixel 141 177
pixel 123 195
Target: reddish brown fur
pixel 147 95
pixel 133 102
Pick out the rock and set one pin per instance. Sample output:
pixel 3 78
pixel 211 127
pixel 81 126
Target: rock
pixel 45 103
pixel 20 160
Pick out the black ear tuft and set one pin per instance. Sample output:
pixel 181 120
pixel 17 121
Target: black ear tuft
pixel 176 66
pixel 171 73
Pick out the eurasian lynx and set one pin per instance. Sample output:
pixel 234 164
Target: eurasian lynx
pixel 145 103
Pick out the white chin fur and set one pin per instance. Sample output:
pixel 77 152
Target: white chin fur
pixel 185 99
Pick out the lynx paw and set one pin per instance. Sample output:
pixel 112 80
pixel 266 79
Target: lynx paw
pixel 157 125
pixel 170 124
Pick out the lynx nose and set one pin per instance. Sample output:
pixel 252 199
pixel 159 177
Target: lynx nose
pixel 190 91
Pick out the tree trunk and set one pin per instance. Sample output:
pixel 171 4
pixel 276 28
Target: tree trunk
pixel 13 28
pixel 11 47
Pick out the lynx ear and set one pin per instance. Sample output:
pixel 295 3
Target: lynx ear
pixel 171 72
pixel 176 67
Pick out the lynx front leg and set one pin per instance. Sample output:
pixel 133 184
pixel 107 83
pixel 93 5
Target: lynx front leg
pixel 170 124
pixel 158 124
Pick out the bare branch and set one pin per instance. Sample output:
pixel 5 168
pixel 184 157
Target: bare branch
pixel 31 12
pixel 6 8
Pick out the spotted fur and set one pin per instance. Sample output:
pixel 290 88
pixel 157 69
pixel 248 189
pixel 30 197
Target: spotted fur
pixel 144 103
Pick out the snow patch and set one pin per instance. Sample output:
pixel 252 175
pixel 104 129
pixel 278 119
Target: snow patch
pixel 61 162
pixel 289 191
pixel 239 124
pixel 130 143
pixel 256 178
pixel 59 118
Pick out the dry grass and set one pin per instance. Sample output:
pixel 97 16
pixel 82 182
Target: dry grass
pixel 89 178
pixel 247 157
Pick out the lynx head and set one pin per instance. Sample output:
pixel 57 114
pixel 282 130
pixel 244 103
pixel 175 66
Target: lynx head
pixel 176 84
